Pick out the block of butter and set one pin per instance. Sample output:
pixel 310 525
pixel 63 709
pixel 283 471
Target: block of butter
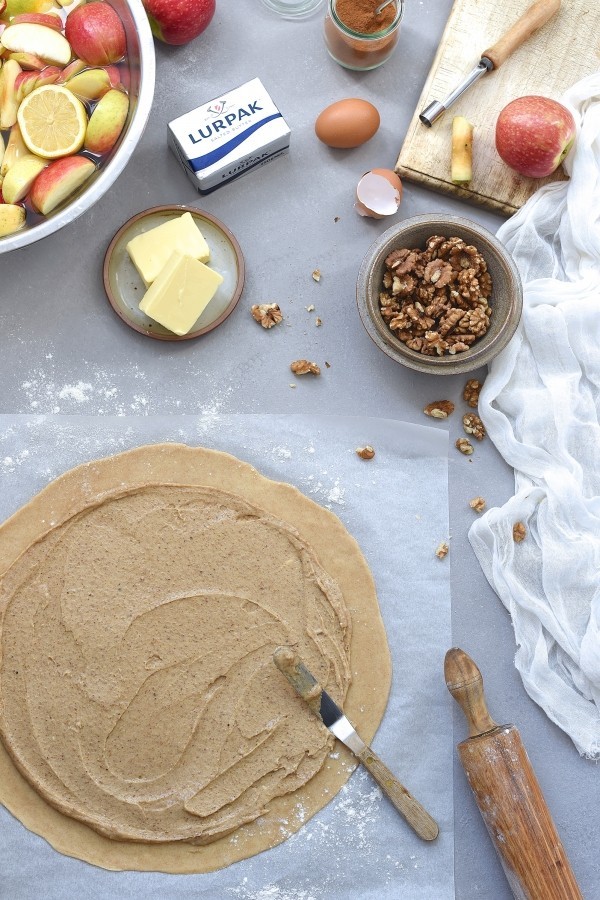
pixel 180 293
pixel 150 251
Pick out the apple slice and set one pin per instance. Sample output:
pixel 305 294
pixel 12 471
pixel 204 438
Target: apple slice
pixel 91 84
pixel 58 181
pixel 50 20
pixel 17 7
pixel 106 122
pixel 27 61
pixel 2 149
pixel 21 176
pixel 74 68
pixel 12 218
pixel 25 83
pixel 15 149
pixel 38 40
pixel 8 94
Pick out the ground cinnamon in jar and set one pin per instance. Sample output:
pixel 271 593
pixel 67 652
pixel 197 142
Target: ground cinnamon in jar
pixel 359 15
pixel 356 37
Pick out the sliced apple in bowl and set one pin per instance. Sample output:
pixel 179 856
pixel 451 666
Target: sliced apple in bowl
pixel 20 177
pixel 12 218
pixel 59 181
pixel 38 40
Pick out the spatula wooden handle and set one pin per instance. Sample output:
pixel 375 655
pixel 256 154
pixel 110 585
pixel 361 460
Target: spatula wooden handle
pixel 417 817
pixel 533 18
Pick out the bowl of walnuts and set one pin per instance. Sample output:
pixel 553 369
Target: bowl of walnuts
pixel 439 294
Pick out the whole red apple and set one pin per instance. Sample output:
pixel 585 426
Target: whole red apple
pixel 179 21
pixel 96 34
pixel 534 134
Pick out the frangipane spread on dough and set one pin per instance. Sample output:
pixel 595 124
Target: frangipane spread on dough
pixel 138 693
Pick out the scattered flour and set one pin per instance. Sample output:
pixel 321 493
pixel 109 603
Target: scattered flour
pixel 78 392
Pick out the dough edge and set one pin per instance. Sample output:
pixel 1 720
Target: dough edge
pixel 337 552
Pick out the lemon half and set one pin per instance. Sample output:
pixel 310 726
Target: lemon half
pixel 53 122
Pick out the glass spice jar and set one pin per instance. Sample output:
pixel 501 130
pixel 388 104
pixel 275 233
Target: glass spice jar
pixel 293 9
pixel 358 39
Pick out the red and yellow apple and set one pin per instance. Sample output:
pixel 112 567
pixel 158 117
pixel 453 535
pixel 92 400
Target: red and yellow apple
pixel 179 21
pixel 534 134
pixel 58 181
pixel 96 34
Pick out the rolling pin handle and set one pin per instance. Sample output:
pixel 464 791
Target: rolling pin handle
pixel 465 683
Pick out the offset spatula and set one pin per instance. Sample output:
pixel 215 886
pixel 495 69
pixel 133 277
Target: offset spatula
pixel 307 686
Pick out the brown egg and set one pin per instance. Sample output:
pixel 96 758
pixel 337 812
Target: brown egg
pixel 347 123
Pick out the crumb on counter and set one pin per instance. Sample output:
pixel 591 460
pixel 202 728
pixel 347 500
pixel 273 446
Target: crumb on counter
pixel 477 503
pixel 442 550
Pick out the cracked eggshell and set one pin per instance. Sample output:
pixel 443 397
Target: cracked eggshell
pixel 378 194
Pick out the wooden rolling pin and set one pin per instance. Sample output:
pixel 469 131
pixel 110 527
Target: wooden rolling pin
pixel 508 794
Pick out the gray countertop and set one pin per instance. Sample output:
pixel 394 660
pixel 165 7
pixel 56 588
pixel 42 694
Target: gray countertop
pixel 65 351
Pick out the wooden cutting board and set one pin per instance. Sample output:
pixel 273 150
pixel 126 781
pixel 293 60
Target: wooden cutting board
pixel 562 52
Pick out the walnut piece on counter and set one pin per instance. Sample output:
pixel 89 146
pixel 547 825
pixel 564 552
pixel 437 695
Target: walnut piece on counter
pixel 305 367
pixel 473 425
pixel 436 300
pixel 464 445
pixel 519 532
pixel 471 392
pixel 318 321
pixel 366 452
pixel 266 314
pixel 477 503
pixel 316 275
pixel 442 550
pixel 439 409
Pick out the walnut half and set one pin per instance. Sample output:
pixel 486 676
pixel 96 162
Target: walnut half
pixel 439 409
pixel 305 367
pixel 365 452
pixel 473 425
pixel 464 445
pixel 266 314
pixel 519 532
pixel 471 392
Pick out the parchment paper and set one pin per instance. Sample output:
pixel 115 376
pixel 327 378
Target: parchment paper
pixel 396 506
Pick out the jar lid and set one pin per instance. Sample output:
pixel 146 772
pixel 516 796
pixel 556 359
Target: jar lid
pixel 293 9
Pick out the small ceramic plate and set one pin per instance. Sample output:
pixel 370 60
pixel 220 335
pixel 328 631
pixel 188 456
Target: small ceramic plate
pixel 124 287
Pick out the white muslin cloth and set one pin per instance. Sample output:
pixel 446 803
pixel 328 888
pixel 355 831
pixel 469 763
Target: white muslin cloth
pixel 541 407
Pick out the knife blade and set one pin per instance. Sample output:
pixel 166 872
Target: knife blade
pixel 326 709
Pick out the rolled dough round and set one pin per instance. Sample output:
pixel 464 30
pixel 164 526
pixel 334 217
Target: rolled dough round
pixel 105 698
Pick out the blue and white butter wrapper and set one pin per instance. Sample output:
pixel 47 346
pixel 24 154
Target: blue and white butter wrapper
pixel 228 136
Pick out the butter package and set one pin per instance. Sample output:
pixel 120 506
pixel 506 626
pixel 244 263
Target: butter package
pixel 228 136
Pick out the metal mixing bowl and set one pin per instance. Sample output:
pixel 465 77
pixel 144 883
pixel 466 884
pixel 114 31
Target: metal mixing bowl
pixel 140 55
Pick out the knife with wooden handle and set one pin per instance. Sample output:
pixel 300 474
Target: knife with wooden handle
pixel 508 794
pixel 533 18
pixel 306 685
